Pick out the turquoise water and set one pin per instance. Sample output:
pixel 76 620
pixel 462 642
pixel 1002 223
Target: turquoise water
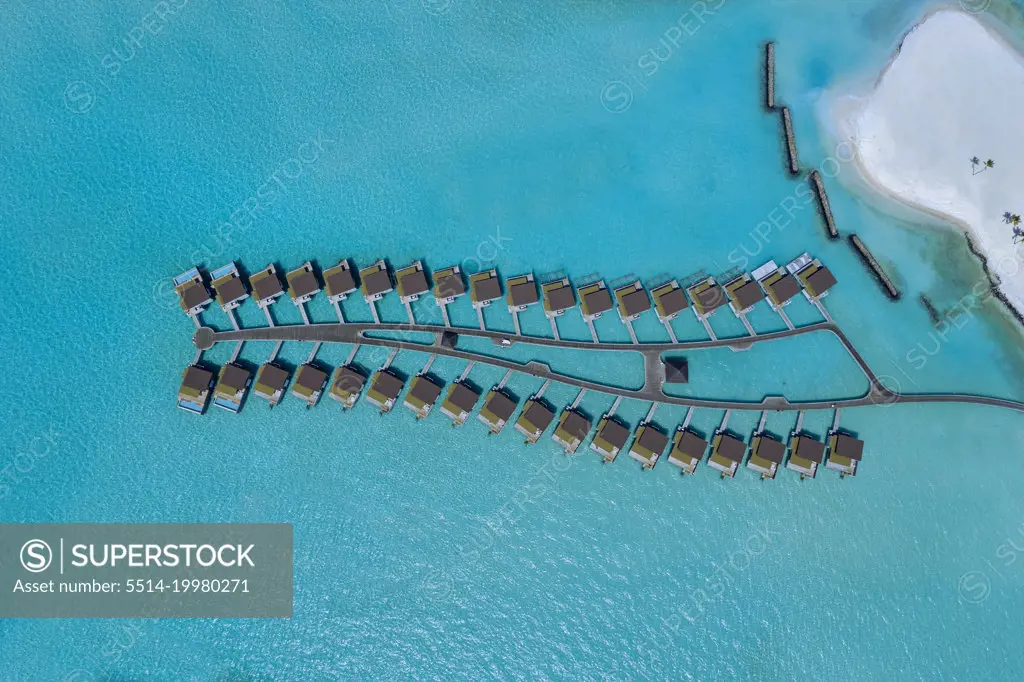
pixel 474 133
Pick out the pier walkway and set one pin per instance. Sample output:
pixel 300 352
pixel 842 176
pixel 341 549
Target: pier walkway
pixel 651 390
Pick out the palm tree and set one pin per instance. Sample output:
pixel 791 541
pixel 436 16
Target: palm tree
pixel 974 163
pixel 1018 235
pixel 1007 217
pixel 1015 220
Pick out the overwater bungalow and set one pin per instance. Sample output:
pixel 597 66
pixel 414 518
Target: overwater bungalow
pixel 497 410
pixel 648 445
pixel 534 419
pixel 384 389
pixel 805 454
pixel 484 287
pixel 766 455
pixel 687 450
pixel 448 285
pixel 558 296
pixel 194 393
pixel 459 402
pixel 376 281
pixel 726 453
pixel 610 438
pixel 571 430
pixel 818 282
pixel 422 395
pixel 815 278
pixel 632 300
pixel 233 383
pixel 595 300
pixel 192 292
pixel 844 453
pixel 743 293
pixel 521 292
pixel 271 381
pixel 346 385
pixel 669 300
pixel 412 282
pixel 309 383
pixel 302 284
pixel 707 297
pixel 778 284
pixel 339 281
pixel 228 286
pixel 266 286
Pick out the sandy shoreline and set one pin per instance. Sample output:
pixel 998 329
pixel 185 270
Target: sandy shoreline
pixel 1014 307
pixel 951 91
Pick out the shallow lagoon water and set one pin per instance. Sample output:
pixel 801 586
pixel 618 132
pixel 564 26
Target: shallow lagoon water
pixel 477 134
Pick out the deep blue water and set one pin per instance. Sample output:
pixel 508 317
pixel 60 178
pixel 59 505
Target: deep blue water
pixel 611 137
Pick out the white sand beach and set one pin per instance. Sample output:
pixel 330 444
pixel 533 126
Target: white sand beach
pixel 954 91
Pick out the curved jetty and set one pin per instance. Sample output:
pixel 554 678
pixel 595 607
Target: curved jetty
pixel 814 278
pixel 662 361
